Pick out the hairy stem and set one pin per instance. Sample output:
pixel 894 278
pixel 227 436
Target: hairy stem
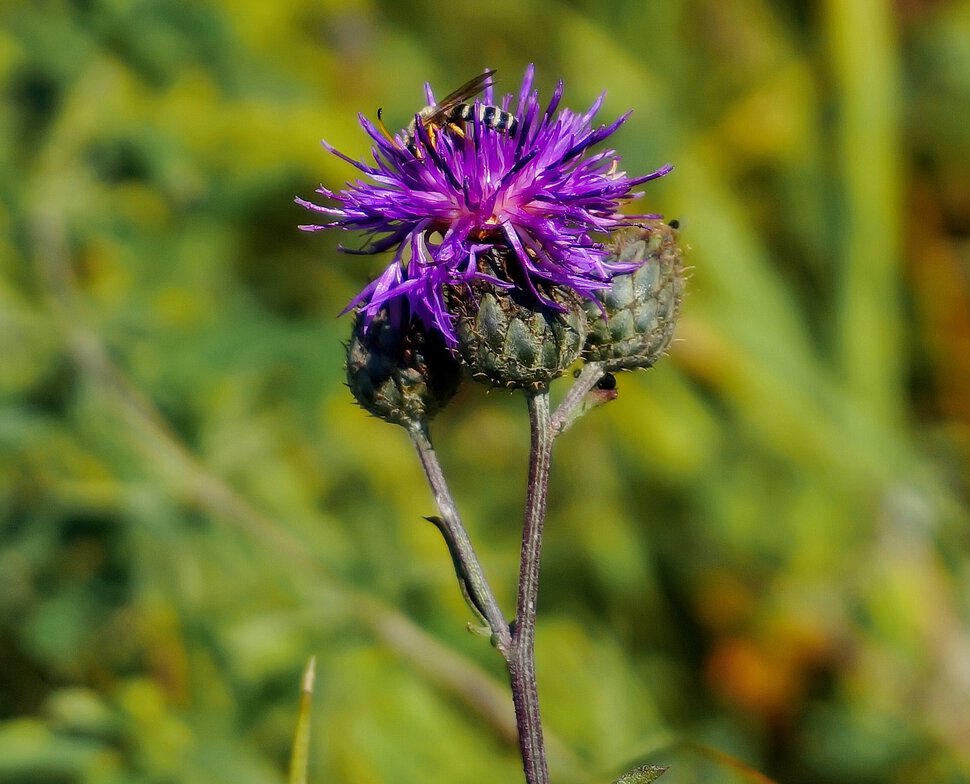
pixel 521 659
pixel 470 573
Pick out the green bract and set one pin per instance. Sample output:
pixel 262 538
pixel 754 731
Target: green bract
pixel 508 338
pixel 639 309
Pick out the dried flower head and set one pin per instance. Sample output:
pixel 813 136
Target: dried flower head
pixel 441 195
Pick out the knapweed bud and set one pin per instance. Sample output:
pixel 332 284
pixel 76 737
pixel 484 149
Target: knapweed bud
pixel 507 337
pixel 640 308
pixel 402 375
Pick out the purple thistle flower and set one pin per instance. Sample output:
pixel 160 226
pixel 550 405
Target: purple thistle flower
pixel 438 199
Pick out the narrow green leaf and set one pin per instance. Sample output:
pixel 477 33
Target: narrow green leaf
pixel 301 739
pixel 641 775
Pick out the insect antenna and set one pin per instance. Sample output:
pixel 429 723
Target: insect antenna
pixel 383 128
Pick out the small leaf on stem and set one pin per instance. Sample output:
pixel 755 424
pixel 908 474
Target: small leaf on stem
pixel 642 775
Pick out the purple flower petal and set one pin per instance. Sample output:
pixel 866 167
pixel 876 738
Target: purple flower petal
pixel 438 199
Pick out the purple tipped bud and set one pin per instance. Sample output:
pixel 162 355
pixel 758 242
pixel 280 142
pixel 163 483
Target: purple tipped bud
pixel 402 375
pixel 511 337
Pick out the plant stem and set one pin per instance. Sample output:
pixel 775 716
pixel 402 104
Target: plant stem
pixel 470 570
pixel 517 646
pixel 521 658
pixel 569 409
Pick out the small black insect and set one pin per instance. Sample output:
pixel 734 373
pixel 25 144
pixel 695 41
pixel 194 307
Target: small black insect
pixel 608 382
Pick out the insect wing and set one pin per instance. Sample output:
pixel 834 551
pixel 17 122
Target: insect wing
pixel 469 89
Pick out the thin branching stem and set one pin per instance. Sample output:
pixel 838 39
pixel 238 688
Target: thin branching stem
pixel 570 409
pixel 471 573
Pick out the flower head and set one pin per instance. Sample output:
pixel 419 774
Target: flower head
pixel 443 195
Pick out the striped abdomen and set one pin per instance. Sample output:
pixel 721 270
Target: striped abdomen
pixel 490 116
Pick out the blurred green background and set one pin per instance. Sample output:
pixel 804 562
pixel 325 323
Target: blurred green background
pixel 758 551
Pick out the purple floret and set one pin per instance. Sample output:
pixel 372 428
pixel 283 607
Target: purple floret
pixel 449 198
